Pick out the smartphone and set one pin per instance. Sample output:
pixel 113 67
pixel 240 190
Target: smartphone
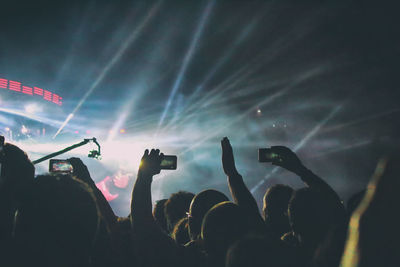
pixel 60 165
pixel 266 155
pixel 169 162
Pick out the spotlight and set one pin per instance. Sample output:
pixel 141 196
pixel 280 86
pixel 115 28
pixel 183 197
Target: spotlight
pixel 7 129
pixel 122 131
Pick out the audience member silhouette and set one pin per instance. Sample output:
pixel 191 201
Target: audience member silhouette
pixel 181 233
pixel 275 209
pixel 64 220
pixel 176 207
pixel 17 174
pixel 200 205
pixel 58 223
pixel 224 224
pixel 159 214
pixel 310 218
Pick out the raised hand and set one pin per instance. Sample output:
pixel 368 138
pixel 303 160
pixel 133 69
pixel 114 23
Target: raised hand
pixel 80 170
pixel 228 160
pixel 287 159
pixel 150 163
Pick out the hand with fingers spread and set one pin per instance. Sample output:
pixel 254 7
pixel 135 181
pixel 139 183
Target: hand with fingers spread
pixel 287 159
pixel 150 163
pixel 228 160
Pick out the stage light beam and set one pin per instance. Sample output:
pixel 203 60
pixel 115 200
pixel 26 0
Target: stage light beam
pixel 125 45
pixel 186 60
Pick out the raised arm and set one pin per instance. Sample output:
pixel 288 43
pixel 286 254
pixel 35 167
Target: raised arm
pixel 239 191
pixel 152 246
pixel 288 160
pixel 141 205
pixel 81 172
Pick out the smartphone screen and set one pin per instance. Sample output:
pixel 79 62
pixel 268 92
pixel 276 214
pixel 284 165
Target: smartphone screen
pixel 169 162
pixel 60 165
pixel 266 155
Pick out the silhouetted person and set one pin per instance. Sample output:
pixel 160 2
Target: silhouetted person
pixel 110 247
pixel 275 207
pixel 313 211
pixel 311 218
pixel 181 232
pixel 153 247
pixel 223 225
pixel 159 214
pixel 58 223
pixel 17 174
pixel 200 205
pixel 176 207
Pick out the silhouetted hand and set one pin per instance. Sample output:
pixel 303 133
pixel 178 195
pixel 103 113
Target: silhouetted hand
pixel 150 163
pixel 228 160
pixel 287 159
pixel 80 170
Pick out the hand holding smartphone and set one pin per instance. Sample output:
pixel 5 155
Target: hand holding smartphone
pixel 283 157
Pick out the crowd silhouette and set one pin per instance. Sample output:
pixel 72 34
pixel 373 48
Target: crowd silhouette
pixel 64 220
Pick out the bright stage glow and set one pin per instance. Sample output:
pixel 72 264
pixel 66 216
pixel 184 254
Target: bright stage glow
pixel 24 130
pixel 33 108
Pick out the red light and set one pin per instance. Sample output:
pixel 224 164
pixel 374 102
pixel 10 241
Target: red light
pixel 47 95
pixel 38 91
pixel 76 132
pixel 3 83
pixel 87 131
pixel 57 99
pixel 27 90
pixel 15 86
